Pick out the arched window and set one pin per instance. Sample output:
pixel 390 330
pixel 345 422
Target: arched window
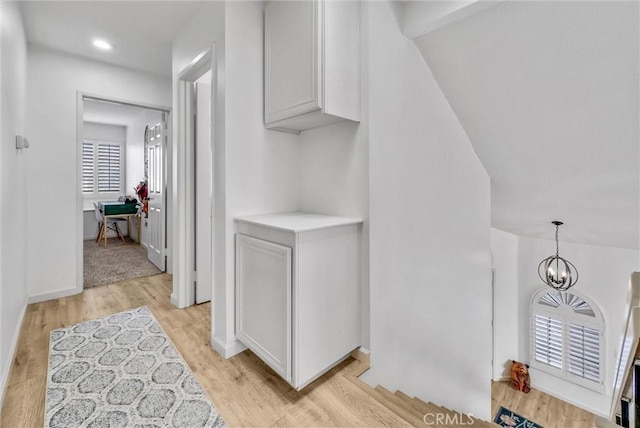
pixel 567 337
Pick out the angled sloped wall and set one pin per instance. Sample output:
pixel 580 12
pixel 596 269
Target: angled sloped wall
pixel 429 233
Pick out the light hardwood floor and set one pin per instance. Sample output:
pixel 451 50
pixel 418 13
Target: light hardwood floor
pixel 245 390
pixel 539 407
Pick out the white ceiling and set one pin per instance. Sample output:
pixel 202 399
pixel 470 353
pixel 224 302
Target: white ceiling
pixel 548 93
pixel 142 31
pixel 110 113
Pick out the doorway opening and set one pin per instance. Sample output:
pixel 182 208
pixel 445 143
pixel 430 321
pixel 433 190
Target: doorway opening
pixel 193 198
pixel 122 195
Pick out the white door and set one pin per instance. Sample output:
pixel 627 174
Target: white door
pixel 263 301
pixel 203 193
pixel 156 185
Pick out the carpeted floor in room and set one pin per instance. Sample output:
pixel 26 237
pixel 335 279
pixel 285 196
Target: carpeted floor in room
pixel 117 262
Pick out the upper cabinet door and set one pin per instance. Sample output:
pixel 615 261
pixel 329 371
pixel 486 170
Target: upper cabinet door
pixel 292 59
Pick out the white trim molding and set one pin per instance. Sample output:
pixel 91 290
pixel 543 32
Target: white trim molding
pixel 55 294
pixel 227 350
pixel 182 159
pixel 6 371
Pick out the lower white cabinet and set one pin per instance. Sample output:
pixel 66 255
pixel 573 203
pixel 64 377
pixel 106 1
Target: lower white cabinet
pixel 297 291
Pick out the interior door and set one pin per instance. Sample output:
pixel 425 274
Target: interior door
pixel 203 193
pixel 156 184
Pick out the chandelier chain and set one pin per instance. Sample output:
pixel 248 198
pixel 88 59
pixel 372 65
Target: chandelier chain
pixel 557 244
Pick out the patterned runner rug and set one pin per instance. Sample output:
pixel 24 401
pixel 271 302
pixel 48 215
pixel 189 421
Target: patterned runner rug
pixel 507 418
pixel 122 371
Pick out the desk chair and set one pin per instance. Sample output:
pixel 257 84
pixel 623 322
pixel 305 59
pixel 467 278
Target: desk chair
pixel 112 223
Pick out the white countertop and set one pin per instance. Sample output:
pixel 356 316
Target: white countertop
pixel 297 221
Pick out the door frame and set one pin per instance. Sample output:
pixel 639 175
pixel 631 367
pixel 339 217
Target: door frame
pixel 183 197
pixel 80 98
pixel 203 191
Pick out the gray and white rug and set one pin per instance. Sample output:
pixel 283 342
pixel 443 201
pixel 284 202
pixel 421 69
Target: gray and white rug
pixel 122 371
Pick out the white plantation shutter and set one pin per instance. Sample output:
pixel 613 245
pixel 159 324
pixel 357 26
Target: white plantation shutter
pixel 584 352
pixel 88 167
pixel 102 168
pixel 566 337
pixel 108 167
pixel 548 340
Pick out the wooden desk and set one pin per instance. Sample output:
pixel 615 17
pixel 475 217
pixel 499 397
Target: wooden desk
pixel 106 218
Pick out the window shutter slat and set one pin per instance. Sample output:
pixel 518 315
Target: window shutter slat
pixel 101 167
pixel 87 167
pixel 108 168
pixel 584 352
pixel 548 340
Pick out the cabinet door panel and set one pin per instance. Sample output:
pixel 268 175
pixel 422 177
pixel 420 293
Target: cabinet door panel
pixel 263 299
pixel 292 60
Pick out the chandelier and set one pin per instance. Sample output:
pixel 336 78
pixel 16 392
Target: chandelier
pixel 558 272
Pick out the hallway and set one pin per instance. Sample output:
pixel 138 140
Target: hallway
pixel 245 390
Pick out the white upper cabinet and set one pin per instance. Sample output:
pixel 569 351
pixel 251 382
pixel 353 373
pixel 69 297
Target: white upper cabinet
pixel 312 63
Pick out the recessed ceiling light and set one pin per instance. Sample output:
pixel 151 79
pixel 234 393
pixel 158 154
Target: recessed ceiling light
pixel 102 45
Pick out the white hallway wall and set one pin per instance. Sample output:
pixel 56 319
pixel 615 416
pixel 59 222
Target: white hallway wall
pixel 54 79
pixel 13 184
pixel 333 178
pixel 429 233
pixel 504 256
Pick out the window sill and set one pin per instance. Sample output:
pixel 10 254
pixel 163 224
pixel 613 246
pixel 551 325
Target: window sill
pixel 575 380
pixel 87 203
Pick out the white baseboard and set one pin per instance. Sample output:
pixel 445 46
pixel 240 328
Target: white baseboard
pixel 605 423
pixel 227 350
pixel 502 379
pixel 56 294
pixel 12 355
pixel 362 354
pixel 568 400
